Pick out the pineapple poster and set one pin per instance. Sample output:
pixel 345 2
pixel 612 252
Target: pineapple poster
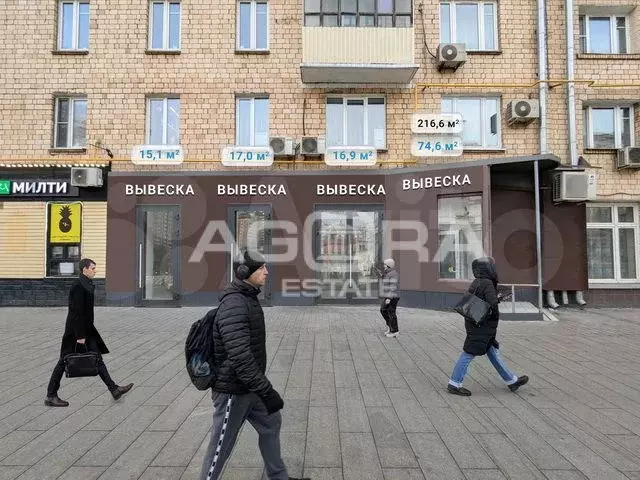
pixel 65 222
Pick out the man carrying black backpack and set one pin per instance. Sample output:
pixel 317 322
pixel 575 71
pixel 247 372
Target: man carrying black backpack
pixel 241 390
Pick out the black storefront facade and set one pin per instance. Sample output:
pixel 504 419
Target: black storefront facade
pixel 171 236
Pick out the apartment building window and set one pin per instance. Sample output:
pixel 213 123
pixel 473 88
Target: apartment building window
pixel 164 25
pixel 356 121
pixel 604 34
pixel 609 127
pixel 163 121
pixel 253 26
pixel 481 120
pixel 252 121
pixel 612 242
pixel 70 129
pixel 358 13
pixel 459 235
pixel 73 25
pixel 473 23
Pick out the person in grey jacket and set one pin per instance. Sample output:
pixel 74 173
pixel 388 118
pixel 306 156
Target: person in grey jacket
pixel 390 293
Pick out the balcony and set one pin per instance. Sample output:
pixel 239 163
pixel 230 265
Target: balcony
pixel 357 55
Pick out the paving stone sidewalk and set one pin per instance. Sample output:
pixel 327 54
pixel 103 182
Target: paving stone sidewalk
pixel 358 405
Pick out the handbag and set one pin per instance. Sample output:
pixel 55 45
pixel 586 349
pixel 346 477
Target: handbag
pixel 473 308
pixel 81 364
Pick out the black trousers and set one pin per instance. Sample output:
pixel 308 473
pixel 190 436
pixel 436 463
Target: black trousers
pixel 58 371
pixel 388 311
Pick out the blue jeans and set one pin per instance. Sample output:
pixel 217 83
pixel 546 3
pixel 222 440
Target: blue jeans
pixel 460 369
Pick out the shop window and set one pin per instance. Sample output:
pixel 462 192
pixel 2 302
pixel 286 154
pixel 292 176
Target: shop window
pixel 64 239
pixel 459 235
pixel 612 243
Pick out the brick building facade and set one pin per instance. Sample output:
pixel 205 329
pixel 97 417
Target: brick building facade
pixel 202 74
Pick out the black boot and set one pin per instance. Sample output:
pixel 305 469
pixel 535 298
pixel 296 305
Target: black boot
pixel 119 391
pixel 463 392
pixel 55 401
pixel 521 381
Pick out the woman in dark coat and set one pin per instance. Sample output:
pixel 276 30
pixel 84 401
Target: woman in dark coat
pixel 81 335
pixel 481 339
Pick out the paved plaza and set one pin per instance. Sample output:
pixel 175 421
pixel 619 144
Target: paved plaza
pixel 358 405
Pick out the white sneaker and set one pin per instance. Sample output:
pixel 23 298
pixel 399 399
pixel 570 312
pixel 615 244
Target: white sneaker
pixel 388 330
pixel 391 335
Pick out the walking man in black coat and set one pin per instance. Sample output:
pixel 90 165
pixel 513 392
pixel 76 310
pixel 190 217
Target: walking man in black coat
pixel 390 294
pixel 481 339
pixel 80 334
pixel 241 390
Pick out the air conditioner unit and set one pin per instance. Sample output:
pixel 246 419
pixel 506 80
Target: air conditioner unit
pixel 281 146
pixel 451 55
pixel 523 110
pixel 629 157
pixel 312 145
pixel 570 186
pixel 86 177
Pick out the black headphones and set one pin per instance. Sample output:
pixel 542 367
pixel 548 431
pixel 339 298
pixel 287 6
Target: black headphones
pixel 242 271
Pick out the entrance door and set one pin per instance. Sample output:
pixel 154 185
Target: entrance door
pixel 243 222
pixel 348 249
pixel 158 255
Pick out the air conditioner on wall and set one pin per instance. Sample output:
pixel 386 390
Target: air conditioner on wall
pixel 282 146
pixel 451 55
pixel 628 157
pixel 523 110
pixel 574 186
pixel 312 145
pixel 86 177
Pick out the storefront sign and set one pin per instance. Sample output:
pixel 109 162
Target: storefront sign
pixel 65 223
pixel 436 182
pixel 351 190
pixel 37 188
pixel 159 189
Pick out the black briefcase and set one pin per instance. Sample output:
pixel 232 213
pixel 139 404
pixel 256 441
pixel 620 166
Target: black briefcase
pixel 81 364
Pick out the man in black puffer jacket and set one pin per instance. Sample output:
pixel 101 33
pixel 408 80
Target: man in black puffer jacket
pixel 241 390
pixel 481 339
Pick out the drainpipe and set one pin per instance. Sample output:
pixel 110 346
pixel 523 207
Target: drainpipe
pixel 571 100
pixel 542 90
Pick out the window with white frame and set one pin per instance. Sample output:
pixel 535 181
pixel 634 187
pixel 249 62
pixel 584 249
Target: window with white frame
pixel 600 34
pixel 481 120
pixel 473 23
pixel 164 25
pixel 70 130
pixel 73 25
pixel 459 235
pixel 253 26
pixel 358 13
pixel 609 127
pixel 252 121
pixel 612 243
pixel 356 121
pixel 163 121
